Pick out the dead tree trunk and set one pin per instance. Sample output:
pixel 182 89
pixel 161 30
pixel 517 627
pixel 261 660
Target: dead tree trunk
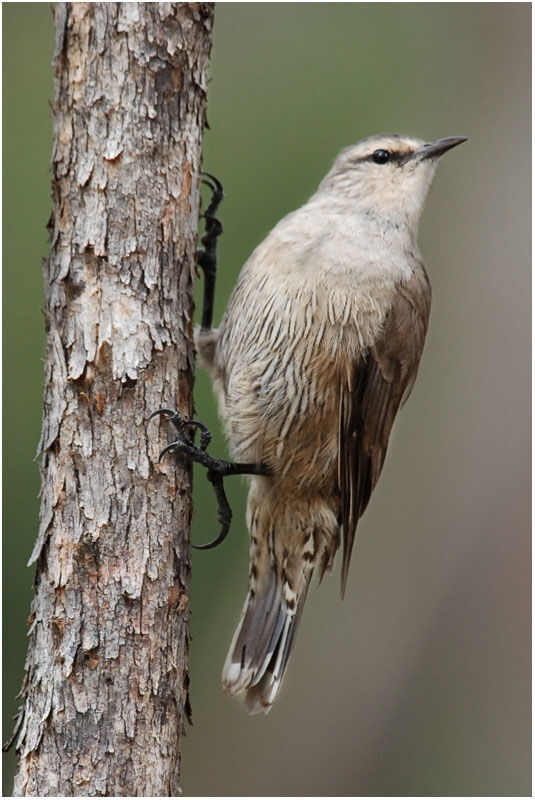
pixel 105 691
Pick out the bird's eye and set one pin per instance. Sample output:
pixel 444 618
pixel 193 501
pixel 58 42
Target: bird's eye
pixel 381 156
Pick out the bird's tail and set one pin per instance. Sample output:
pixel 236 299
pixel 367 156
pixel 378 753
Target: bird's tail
pixel 290 537
pixel 263 641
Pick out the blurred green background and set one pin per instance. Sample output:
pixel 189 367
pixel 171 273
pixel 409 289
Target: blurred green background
pixel 419 683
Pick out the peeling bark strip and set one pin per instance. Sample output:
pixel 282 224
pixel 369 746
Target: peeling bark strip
pixel 106 674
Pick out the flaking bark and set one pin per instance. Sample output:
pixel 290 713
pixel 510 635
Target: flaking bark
pixel 105 690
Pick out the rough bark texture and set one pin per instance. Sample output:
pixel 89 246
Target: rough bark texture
pixel 105 691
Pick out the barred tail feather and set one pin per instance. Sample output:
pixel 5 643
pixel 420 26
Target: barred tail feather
pixel 262 644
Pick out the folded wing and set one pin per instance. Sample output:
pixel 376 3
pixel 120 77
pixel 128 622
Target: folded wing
pixel 369 401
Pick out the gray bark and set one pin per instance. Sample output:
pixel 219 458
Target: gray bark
pixel 105 690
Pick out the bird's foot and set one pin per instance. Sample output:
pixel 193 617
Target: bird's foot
pixel 216 468
pixel 207 256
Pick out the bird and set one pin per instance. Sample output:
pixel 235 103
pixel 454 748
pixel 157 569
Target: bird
pixel 317 350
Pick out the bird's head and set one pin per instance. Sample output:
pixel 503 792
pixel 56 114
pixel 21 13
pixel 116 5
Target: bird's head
pixel 387 175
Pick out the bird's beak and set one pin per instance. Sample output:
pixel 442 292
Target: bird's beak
pixel 435 149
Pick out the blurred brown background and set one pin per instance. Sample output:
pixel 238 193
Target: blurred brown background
pixel 419 683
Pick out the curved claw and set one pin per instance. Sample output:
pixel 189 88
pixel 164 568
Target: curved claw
pixel 206 436
pixel 219 538
pixel 216 468
pixel 217 184
pixel 173 446
pixel 168 411
pixel 224 512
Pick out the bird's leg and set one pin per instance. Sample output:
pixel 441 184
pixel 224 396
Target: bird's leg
pixel 207 257
pixel 216 468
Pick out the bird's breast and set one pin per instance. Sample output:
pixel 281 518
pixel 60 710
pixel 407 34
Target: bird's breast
pixel 285 350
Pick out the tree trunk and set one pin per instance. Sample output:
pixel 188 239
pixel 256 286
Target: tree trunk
pixel 105 691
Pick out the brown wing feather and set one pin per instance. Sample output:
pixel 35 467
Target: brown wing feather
pixel 379 383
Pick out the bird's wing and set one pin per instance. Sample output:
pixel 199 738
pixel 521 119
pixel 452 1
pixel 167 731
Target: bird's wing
pixel 370 400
